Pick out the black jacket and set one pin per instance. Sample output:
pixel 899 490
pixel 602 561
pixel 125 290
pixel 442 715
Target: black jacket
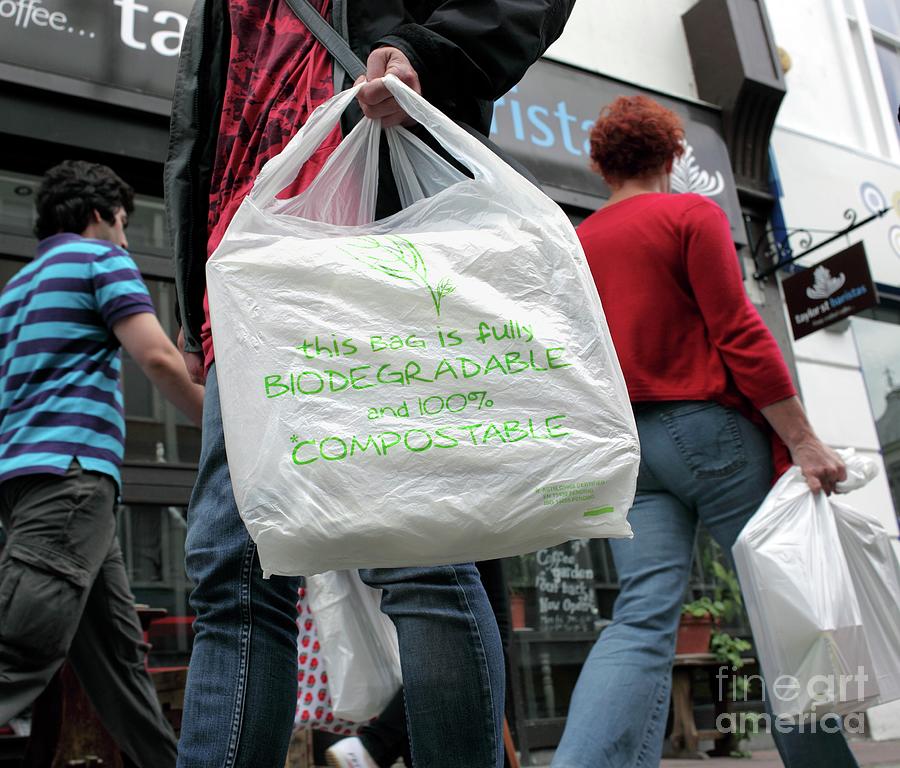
pixel 467 54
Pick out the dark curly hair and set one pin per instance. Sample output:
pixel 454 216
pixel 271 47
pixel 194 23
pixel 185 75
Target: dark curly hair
pixel 71 191
pixel 635 136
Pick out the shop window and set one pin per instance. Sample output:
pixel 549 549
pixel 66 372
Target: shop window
pixel 152 541
pixel 8 268
pixel 155 429
pixel 887 47
pixel 561 599
pixel 878 344
pixel 146 226
pixel 884 27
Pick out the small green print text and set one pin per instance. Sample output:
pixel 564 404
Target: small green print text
pixel 566 493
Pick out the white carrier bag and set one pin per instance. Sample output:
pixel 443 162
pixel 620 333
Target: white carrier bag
pixel 438 386
pixel 359 645
pixel 822 589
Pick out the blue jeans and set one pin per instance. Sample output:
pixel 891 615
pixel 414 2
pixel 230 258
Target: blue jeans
pixel 242 684
pixel 700 462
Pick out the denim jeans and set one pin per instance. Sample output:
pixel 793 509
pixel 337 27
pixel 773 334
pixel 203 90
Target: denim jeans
pixel 700 462
pixel 242 684
pixel 385 738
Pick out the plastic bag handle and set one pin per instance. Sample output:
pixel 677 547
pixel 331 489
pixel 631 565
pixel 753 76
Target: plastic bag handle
pixel 282 169
pixel 860 471
pixel 483 163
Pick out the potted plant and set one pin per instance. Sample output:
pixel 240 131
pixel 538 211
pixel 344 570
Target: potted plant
pixel 520 576
pixel 696 626
pixel 517 610
pixel 730 651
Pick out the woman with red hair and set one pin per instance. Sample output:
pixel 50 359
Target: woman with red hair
pixel 718 418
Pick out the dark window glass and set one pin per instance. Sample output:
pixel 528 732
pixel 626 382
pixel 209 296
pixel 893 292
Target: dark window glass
pixel 152 541
pixel 878 344
pixel 155 430
pixel 146 226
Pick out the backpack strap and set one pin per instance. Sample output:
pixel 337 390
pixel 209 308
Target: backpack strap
pixel 328 36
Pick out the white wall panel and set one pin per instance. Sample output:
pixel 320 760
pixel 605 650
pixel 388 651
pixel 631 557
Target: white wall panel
pixel 821 180
pixel 824 82
pixel 838 405
pixel 835 347
pixel 641 41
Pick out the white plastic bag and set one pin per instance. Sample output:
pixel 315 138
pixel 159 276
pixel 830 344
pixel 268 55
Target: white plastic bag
pixel 876 579
pixel 821 586
pixel 358 644
pixel 438 386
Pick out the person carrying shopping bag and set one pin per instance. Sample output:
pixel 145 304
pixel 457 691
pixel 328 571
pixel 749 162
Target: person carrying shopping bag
pixel 64 591
pixel 250 75
pixel 718 419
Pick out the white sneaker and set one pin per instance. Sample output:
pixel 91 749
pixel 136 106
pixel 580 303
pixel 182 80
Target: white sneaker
pixel 349 753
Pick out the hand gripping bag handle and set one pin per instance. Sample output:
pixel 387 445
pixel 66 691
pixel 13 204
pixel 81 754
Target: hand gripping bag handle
pixel 282 169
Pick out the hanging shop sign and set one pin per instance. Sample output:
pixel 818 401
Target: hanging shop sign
pixel 834 289
pixel 121 44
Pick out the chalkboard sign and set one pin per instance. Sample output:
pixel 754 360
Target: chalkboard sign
pixel 565 589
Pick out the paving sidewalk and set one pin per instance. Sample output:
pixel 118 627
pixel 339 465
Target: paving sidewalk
pixel 870 754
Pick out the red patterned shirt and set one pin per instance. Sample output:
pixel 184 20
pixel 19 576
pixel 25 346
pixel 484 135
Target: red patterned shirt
pixel 278 74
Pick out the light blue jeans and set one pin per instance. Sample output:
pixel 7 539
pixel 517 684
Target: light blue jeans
pixel 700 462
pixel 242 684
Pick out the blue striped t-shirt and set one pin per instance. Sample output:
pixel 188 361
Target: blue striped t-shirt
pixel 59 358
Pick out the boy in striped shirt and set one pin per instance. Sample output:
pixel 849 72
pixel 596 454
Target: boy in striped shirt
pixel 63 587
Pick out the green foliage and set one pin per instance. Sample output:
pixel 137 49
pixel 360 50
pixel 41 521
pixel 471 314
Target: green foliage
pixel 752 723
pixel 729 650
pixel 727 590
pixel 704 606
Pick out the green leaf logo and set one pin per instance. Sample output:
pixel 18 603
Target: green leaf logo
pixel 398 258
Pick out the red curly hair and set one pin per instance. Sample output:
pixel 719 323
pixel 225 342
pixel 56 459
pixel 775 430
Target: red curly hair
pixel 635 136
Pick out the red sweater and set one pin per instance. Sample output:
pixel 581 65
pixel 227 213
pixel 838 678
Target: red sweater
pixel 681 321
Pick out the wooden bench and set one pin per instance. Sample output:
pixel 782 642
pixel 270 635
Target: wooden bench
pixel 686 737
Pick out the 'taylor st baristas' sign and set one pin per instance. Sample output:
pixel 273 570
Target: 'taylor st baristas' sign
pixel 834 289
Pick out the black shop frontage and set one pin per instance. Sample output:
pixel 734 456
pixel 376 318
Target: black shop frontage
pixel 92 79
